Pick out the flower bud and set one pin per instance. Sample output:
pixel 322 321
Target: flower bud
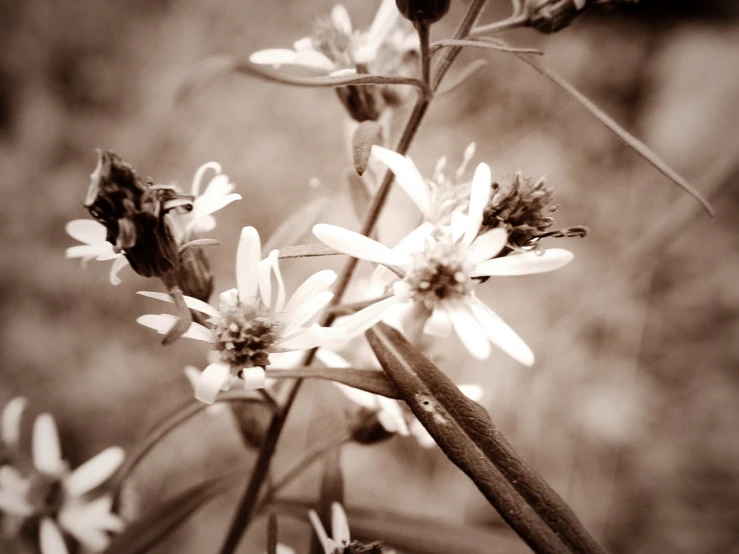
pixel 423 11
pixel 550 16
pixel 367 429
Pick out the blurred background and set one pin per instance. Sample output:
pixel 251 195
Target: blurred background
pixel 632 409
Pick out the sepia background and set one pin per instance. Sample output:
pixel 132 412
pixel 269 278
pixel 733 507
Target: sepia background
pixel 632 409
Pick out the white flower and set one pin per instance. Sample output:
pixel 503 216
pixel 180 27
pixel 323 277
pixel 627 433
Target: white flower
pixel 336 47
pixel 340 537
pixel 10 424
pixel 253 321
pixel 440 267
pixel 217 195
pixel 71 510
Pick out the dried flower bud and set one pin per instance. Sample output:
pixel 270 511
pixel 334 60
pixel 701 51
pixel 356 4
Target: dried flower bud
pixel 134 214
pixel 367 429
pixel 363 103
pixel 423 11
pixel 358 548
pixel 193 273
pixel 522 207
pixel 550 16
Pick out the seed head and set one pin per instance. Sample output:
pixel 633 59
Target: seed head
pixel 245 336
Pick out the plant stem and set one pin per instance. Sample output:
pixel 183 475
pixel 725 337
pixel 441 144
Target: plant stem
pixel 248 501
pixel 500 26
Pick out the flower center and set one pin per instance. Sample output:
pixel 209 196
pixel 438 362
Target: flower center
pixel 245 335
pixel 439 273
pixel 45 493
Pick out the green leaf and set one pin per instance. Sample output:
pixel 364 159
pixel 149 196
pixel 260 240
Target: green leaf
pixel 370 380
pixel 365 136
pixel 308 251
pixel 404 364
pixel 156 525
pixel 221 65
pixel 297 225
pixel 419 535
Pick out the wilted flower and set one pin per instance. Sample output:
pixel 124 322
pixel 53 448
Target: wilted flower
pixel 187 215
pixel 340 540
pixel 437 268
pixel 253 321
pixel 335 47
pixel 550 16
pixel 44 488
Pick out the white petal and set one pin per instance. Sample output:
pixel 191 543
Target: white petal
pixel 458 225
pixel 14 504
pixel 316 283
pixel 479 196
pixel 528 263
pixel 99 251
pixel 202 224
pixel 406 175
pixel 391 416
pixel 439 324
pixel 95 471
pixel 500 334
pixel 282 549
pixel 254 378
pixel 314 60
pixel 229 298
pixel 118 264
pixel 78 523
pixel 205 205
pixel 248 256
pixel 359 397
pixel 190 302
pixel 12 481
pixel 198 177
pixel 162 323
pixel 47 453
pixel 384 21
pixel 350 326
pixel 469 331
pixel 329 358
pixel 264 269
pixel 472 391
pixel 341 20
pixel 273 56
pixel 415 241
pixel 303 44
pixel 219 186
pixel 488 245
pixel 320 532
pixel 339 524
pixel 88 231
pixel 469 152
pixel 211 381
pixel 309 338
pixel 421 434
pixel 11 421
pixel 357 245
pixel 307 311
pixel 51 538
pixel 274 258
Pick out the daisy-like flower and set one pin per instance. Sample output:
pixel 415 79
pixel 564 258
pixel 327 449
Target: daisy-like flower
pixel 193 218
pixel 335 46
pixel 61 499
pixel 340 540
pixel 253 320
pixel 438 268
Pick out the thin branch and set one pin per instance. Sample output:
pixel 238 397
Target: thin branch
pixel 439 44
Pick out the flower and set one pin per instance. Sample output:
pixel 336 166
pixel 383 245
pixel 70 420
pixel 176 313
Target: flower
pixel 60 499
pixel 340 541
pixel 438 267
pixel 253 320
pixel 335 46
pixel 191 216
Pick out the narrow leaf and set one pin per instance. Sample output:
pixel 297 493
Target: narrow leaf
pixel 638 146
pixel 308 251
pixel 394 352
pixel 365 135
pixel 400 360
pixel 145 533
pixel 369 380
pixel 484 45
pixel 419 535
pixel 297 225
pixel 220 65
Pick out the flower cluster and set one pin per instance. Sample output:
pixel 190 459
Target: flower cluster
pixel 41 489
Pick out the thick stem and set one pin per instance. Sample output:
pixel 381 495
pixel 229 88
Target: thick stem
pixel 246 507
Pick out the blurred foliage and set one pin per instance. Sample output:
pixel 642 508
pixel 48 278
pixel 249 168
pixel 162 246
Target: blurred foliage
pixel 632 409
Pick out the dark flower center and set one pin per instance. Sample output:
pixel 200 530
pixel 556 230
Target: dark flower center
pixel 440 273
pixel 245 336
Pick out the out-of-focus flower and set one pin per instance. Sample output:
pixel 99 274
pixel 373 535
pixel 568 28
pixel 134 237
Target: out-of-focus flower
pixel 334 47
pixel 44 488
pixel 253 321
pixel 192 215
pixel 550 16
pixel 10 426
pixel 340 540
pixel 437 268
